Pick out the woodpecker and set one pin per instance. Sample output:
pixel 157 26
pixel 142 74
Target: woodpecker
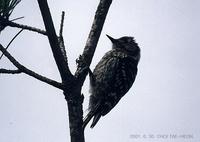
pixel 112 77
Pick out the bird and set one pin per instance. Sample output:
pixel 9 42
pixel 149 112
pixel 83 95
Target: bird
pixel 112 77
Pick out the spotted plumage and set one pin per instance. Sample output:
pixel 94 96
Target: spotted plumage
pixel 112 77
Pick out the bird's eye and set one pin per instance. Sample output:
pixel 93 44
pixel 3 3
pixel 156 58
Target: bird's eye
pixel 130 39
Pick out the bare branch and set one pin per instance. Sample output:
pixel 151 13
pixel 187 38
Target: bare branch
pixel 61 63
pixel 93 37
pixel 5 23
pixel 6 71
pixel 28 71
pixel 62 24
pixel 17 18
pixel 61 40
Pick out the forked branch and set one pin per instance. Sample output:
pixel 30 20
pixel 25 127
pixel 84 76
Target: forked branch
pixel 61 63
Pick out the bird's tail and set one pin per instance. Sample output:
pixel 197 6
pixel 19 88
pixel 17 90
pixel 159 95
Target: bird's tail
pixel 92 113
pixel 95 120
pixel 87 119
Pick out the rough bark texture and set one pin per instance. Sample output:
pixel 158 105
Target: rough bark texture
pixel 75 113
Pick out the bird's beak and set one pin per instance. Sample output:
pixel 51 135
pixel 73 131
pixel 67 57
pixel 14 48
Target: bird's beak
pixel 112 39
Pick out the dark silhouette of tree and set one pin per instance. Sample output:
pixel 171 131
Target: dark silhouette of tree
pixel 71 84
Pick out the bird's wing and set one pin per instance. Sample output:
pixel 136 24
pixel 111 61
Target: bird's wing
pixel 105 72
pixel 125 75
pixel 121 82
pixel 103 76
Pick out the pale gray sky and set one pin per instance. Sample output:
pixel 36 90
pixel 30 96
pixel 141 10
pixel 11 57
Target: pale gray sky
pixel 164 99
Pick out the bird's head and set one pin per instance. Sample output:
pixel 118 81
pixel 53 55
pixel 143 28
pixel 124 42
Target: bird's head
pixel 126 43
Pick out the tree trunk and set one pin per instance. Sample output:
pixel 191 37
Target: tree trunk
pixel 75 113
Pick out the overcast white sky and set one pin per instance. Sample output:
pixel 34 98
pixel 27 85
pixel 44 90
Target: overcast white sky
pixel 164 99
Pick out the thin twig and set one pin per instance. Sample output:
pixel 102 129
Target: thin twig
pixel 60 38
pixel 17 18
pixel 5 23
pixel 62 24
pixel 6 71
pixel 30 72
pixel 11 41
